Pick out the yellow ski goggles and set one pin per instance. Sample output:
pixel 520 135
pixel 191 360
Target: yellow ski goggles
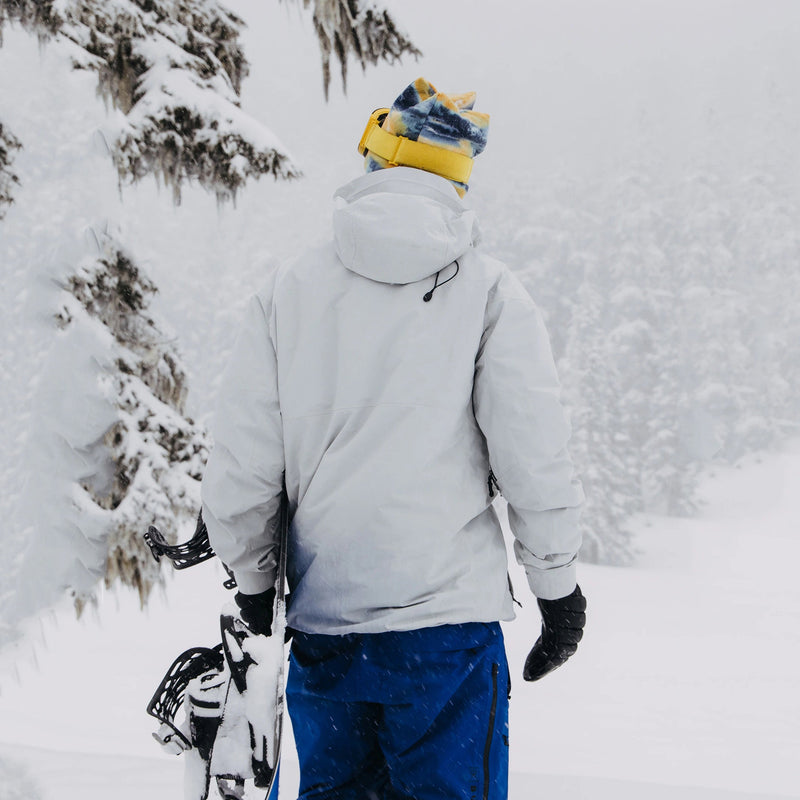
pixel 400 151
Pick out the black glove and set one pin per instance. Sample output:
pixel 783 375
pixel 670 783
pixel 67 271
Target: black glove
pixel 256 610
pixel 562 628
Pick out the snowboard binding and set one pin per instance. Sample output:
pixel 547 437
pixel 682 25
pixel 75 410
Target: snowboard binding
pixel 169 697
pixel 186 554
pixel 231 694
pixel 228 734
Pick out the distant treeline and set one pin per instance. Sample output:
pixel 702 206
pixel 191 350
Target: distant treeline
pixel 673 310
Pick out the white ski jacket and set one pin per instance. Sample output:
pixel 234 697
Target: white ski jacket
pixel 386 402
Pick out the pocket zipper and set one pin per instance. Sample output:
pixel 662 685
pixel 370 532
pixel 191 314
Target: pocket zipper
pixel 488 748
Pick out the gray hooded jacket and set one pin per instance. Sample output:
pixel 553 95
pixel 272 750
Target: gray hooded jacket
pixel 386 413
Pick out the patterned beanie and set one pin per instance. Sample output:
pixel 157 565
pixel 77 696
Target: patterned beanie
pixel 446 121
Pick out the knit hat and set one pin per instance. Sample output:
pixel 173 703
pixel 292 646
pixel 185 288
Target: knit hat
pixel 429 130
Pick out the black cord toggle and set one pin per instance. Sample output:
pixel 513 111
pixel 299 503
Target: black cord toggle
pixel 428 295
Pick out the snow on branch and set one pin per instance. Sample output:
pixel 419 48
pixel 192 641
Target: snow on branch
pixel 35 15
pixel 146 465
pixel 8 144
pixel 174 69
pixel 362 28
pixel 179 131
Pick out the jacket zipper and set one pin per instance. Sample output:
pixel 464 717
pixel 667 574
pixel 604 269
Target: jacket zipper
pixel 487 749
pixel 511 589
pixel 494 486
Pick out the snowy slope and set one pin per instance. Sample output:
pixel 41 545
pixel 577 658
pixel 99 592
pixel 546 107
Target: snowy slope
pixel 685 685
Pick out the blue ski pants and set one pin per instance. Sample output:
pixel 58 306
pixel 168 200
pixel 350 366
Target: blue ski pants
pixel 412 715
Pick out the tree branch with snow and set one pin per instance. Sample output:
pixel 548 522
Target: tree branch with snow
pixel 174 71
pixel 361 28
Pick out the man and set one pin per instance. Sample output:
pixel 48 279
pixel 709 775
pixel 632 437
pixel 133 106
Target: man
pixel 393 379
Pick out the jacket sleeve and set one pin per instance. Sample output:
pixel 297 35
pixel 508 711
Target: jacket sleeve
pixel 517 406
pixel 243 480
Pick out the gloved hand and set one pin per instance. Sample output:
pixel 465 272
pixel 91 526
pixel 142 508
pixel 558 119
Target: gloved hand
pixel 256 610
pixel 562 628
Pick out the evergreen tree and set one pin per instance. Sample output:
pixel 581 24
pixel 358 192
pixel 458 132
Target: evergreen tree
pixel 174 70
pixel 8 144
pixel 766 249
pixel 644 344
pixel 709 309
pixel 149 462
pixel 113 448
pixel 599 446
pixel 170 74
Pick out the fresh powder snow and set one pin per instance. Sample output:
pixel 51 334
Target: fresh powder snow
pixel 684 687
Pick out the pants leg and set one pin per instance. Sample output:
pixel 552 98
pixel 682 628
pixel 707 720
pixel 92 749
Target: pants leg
pixel 336 740
pixel 401 716
pixel 337 745
pixel 463 751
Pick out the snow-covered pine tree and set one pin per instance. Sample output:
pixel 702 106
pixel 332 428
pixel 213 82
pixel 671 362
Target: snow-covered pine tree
pixel 8 144
pixel 765 252
pixel 601 442
pixel 644 343
pixel 174 71
pixel 171 73
pixel 711 312
pixel 148 462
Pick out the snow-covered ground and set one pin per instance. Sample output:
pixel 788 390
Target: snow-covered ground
pixel 685 685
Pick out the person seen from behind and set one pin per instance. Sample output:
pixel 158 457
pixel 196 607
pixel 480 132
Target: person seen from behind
pixel 393 380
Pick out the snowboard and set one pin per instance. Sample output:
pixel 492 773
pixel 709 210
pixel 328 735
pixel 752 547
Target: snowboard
pixel 232 695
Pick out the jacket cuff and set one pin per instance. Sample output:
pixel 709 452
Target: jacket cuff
pixel 255 582
pixel 552 584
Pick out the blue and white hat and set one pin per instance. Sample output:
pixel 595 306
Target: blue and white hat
pixel 427 129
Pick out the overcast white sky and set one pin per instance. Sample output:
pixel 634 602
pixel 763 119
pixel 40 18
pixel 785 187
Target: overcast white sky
pixel 574 83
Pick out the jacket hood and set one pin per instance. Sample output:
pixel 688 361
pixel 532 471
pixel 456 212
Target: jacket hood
pixel 400 225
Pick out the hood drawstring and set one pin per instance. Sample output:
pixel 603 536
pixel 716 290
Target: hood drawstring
pixel 428 295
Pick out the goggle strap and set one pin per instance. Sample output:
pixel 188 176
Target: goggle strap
pixel 400 151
